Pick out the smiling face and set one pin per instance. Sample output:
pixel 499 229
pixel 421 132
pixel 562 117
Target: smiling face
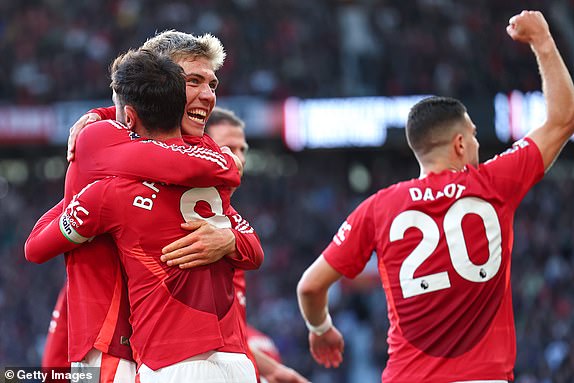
pixel 201 83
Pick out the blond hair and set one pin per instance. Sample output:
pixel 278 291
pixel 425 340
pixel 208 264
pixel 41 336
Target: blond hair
pixel 179 45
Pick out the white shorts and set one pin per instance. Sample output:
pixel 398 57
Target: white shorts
pixel 210 367
pixel 111 369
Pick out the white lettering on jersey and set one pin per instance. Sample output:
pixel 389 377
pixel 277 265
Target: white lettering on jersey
pixel 241 225
pixel 71 219
pixel 144 202
pixel 209 196
pixel 241 298
pixel 449 191
pixel 412 282
pixel 340 236
pixel 151 185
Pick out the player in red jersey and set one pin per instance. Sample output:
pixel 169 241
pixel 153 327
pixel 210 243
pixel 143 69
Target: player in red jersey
pixel 443 241
pixel 164 301
pixel 55 356
pixel 201 57
pixel 228 130
pixel 97 314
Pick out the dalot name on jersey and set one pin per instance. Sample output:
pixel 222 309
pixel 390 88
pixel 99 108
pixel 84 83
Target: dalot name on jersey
pixel 428 194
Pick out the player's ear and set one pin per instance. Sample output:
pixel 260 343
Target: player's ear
pixel 131 116
pixel 458 144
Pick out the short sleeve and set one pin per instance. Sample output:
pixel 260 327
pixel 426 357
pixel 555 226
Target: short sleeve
pixel 354 242
pixel 516 170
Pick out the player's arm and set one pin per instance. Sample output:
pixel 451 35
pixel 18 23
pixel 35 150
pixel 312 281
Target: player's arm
pixel 106 113
pixel 346 255
pixel 325 341
pixel 92 115
pixel 108 150
pixel 531 27
pixel 275 372
pixel 46 240
pixel 86 119
pixel 207 244
pixel 79 222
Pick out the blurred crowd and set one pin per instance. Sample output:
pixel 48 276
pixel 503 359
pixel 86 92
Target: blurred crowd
pixel 296 213
pixel 55 50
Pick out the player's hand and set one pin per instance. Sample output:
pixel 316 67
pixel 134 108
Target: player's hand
pixel 204 245
pixel 86 119
pixel 238 163
pixel 529 27
pixel 327 349
pixel 284 374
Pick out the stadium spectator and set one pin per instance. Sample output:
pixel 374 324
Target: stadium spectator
pixel 273 46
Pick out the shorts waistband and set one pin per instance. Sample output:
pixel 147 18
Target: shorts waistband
pixel 216 355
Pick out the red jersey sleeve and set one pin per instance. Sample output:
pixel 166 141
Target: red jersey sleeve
pixel 58 232
pixel 108 148
pixel 515 171
pixel 40 245
pixel 353 245
pixel 108 113
pixel 88 213
pixel 249 253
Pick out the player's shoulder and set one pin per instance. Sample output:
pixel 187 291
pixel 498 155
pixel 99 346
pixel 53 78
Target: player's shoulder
pixel 105 125
pixel 522 146
pixel 101 129
pixel 398 188
pixel 208 142
pixel 100 184
pixel 386 197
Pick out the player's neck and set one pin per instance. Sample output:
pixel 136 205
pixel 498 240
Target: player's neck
pixel 158 135
pixel 439 167
pixel 163 136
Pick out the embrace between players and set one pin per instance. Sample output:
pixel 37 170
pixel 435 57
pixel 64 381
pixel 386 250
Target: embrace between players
pixel 451 316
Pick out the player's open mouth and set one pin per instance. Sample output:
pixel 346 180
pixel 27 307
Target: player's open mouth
pixel 197 115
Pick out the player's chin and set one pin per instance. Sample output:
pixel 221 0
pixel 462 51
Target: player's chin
pixel 192 127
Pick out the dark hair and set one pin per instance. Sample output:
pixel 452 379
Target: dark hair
pixel 153 85
pixel 221 115
pixel 429 119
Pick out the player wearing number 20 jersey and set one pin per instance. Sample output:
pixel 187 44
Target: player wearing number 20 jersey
pixel 444 245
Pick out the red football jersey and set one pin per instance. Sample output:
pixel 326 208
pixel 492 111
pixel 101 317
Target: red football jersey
pixel 443 244
pixel 56 348
pixel 98 307
pixel 176 313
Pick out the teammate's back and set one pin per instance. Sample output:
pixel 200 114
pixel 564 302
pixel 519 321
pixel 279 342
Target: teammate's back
pixel 444 247
pixel 175 313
